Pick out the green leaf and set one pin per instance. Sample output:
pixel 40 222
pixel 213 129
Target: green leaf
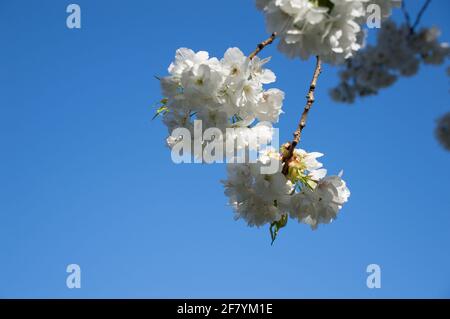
pixel 161 110
pixel 276 226
pixel 323 3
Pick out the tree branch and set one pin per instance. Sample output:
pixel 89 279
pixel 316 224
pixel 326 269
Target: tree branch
pixel 262 45
pixel 421 12
pixel 407 16
pixel 301 125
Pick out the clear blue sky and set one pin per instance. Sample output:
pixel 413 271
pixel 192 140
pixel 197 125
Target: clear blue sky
pixel 85 176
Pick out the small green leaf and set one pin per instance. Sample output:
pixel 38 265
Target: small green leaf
pixel 161 110
pixel 276 226
pixel 323 3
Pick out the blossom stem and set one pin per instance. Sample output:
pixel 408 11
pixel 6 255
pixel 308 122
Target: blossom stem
pixel 262 45
pixel 301 125
pixel 297 135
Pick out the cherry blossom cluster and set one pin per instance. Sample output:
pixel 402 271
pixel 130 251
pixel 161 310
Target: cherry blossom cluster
pixel 398 52
pixel 305 193
pixel 225 93
pixel 331 29
pixel 443 131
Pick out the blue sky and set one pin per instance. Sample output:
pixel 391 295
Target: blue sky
pixel 85 176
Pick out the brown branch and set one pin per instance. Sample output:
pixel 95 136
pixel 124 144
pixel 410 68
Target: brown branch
pixel 262 45
pixel 302 123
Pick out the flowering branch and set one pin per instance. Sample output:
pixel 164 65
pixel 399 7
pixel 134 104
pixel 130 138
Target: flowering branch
pixel 262 45
pixel 277 225
pixel 301 125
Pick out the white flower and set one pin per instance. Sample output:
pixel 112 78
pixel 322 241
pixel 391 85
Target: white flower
pixel 201 84
pixel 257 72
pixel 332 31
pixel 186 59
pixel 222 93
pixel 253 138
pixel 304 165
pixel 257 198
pixel 426 44
pixel 247 92
pixel 318 197
pixel 397 53
pixel 269 106
pixel 344 92
pixel 309 160
pixel 321 204
pixel 247 141
pixel 264 198
pixel 177 118
pixel 213 118
pixel 236 63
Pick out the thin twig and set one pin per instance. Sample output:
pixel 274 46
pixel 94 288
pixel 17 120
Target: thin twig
pixel 262 45
pixel 421 12
pixel 406 15
pixel 302 123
